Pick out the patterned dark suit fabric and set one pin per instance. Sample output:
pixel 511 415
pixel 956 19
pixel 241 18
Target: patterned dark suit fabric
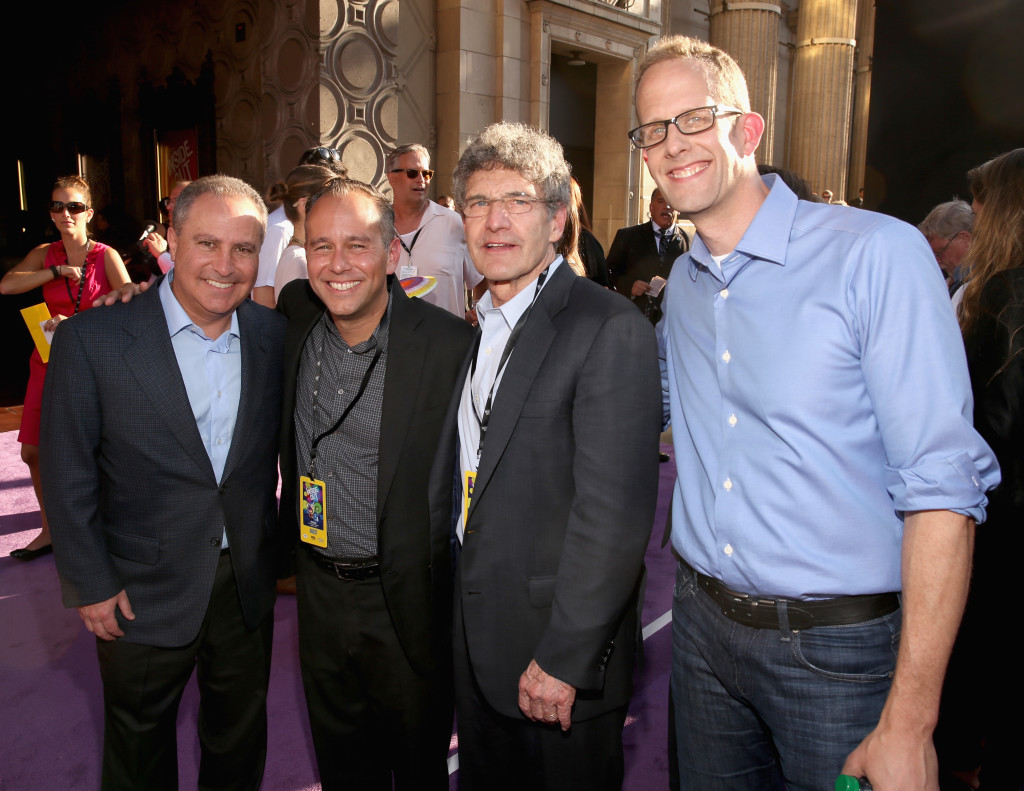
pixel 554 548
pixel 131 494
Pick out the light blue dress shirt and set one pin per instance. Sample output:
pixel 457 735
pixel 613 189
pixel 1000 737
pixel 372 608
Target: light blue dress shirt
pixel 817 388
pixel 496 325
pixel 212 371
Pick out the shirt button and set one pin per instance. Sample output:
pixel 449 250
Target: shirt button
pixel 726 357
pixel 220 441
pixel 732 420
pixel 314 392
pixel 728 549
pixel 725 293
pixel 341 392
pixel 728 484
pixel 487 350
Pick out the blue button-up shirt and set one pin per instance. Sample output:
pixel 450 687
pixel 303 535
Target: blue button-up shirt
pixel 212 371
pixel 817 389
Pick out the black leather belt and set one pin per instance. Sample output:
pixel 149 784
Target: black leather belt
pixel 345 569
pixel 761 612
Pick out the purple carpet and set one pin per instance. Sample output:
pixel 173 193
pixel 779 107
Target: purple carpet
pixel 50 698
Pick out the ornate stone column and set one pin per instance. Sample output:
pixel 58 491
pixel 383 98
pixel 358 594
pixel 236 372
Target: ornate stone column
pixel 819 121
pixel 749 31
pixel 861 97
pixel 332 77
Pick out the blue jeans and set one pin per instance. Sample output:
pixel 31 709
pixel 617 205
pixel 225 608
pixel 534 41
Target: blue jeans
pixel 772 708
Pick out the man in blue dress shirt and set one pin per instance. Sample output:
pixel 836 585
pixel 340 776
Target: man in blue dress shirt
pixel 820 509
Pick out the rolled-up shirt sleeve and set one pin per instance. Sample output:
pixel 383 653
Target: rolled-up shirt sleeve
pixel 916 374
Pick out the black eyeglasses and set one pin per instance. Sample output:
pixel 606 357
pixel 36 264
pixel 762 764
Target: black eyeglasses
pixel 74 207
pixel 413 173
pixel 689 122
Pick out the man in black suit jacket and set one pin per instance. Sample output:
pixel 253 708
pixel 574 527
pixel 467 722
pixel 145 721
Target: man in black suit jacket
pixel 159 459
pixel 636 255
pixel 376 370
pixel 556 487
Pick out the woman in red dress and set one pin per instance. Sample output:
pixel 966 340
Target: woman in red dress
pixel 72 272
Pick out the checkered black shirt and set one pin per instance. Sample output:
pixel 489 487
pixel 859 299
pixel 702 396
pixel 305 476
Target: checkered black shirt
pixel 330 373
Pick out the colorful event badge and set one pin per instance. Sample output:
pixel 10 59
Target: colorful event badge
pixel 467 497
pixel 313 511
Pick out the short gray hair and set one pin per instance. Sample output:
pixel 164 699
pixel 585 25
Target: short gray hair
pixel 947 220
pixel 392 158
pixel 535 156
pixel 339 187
pixel 223 187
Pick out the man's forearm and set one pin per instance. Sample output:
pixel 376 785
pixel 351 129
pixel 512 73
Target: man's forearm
pixel 937 550
pixel 936 568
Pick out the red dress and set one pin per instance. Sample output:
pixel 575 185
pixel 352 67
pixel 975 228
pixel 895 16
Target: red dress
pixel 59 300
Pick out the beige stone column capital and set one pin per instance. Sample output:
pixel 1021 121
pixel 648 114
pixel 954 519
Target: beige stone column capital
pixel 820 103
pixel 749 31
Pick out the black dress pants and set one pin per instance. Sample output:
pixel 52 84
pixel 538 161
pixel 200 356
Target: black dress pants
pixel 374 718
pixel 142 687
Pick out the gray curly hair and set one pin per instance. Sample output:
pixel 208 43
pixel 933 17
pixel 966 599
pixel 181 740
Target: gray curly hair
pixel 535 156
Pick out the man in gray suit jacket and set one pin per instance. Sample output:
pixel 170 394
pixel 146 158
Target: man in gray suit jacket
pixel 553 435
pixel 159 451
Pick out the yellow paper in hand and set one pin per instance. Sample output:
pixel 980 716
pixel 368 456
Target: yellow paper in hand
pixel 35 317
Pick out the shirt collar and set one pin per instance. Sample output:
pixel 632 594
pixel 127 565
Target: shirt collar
pixel 515 307
pixel 178 319
pixel 767 236
pixel 657 228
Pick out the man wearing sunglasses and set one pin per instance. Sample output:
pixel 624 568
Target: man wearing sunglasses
pixel 432 240
pixel 818 510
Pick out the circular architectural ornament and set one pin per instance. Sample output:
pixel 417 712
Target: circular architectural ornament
pixel 361 155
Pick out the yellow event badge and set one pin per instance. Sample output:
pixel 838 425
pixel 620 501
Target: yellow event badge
pixel 313 511
pixel 467 496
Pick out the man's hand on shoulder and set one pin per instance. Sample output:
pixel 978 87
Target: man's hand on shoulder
pixel 99 617
pixel 543 698
pixel 123 294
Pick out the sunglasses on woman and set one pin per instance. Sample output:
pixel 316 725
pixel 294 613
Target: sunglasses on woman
pixel 74 207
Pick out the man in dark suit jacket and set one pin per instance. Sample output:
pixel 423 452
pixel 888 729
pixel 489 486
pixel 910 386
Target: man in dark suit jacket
pixel 374 597
pixel 556 486
pixel 159 461
pixel 641 252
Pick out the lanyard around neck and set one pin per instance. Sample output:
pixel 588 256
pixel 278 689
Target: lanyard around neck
pixel 510 344
pixel 347 410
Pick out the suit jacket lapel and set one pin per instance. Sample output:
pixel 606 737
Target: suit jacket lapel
pixel 401 383
pixel 520 373
pixel 152 361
